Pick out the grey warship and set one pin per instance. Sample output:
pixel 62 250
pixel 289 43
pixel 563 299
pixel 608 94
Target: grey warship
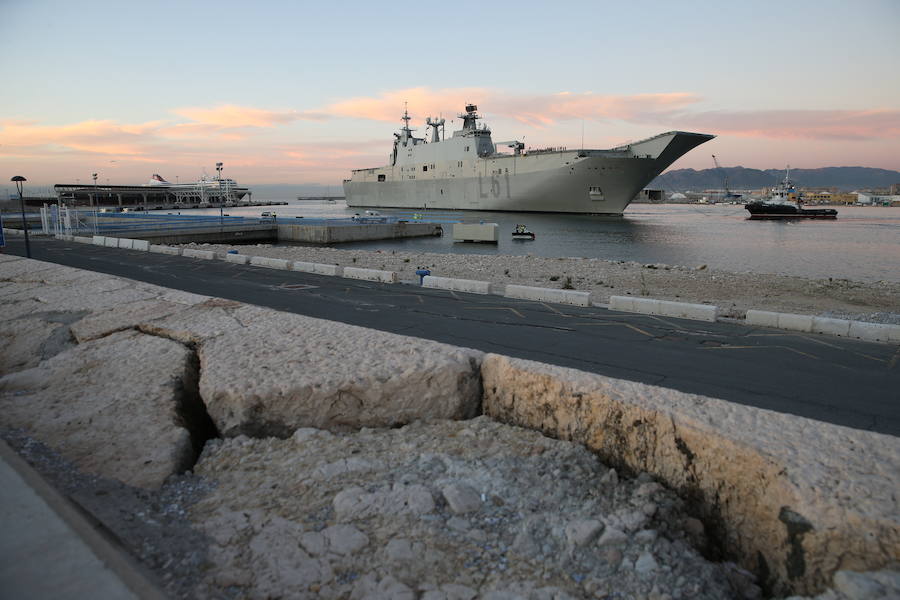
pixel 468 171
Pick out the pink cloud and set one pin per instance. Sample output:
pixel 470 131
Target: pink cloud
pixel 232 116
pixel 799 124
pixel 535 110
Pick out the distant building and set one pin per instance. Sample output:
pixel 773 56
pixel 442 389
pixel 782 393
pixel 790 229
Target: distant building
pixel 872 199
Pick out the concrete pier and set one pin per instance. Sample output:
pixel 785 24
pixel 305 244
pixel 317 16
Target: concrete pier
pixel 330 234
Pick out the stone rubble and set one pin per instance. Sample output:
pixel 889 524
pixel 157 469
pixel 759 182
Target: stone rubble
pixel 445 509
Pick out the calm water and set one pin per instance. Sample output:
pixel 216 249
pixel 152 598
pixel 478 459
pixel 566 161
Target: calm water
pixel 862 244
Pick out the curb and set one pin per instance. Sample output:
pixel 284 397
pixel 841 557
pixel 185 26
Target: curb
pixel 456 285
pixel 863 330
pixel 121 565
pixel 524 292
pixel 667 308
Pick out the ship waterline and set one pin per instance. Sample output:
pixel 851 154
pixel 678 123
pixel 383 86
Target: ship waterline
pixel 466 172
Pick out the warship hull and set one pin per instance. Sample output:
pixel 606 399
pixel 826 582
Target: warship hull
pixel 570 181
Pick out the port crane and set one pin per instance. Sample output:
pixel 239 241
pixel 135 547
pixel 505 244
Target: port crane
pixel 729 196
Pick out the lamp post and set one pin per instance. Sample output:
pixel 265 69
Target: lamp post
pixel 95 201
pixel 221 199
pixel 19 180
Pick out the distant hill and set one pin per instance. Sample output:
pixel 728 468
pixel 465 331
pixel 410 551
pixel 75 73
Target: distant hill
pixel 845 178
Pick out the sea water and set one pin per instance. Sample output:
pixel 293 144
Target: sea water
pixel 862 244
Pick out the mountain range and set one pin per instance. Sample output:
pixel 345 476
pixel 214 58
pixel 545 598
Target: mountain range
pixel 740 178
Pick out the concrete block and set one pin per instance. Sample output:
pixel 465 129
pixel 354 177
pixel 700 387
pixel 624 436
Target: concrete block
pixel 370 274
pixel 621 303
pixel 831 326
pixel 111 242
pixel 762 318
pixel 82 239
pixel 753 472
pixel 75 402
pixel 685 310
pixel 239 259
pixel 457 285
pixel 647 306
pixel 98 240
pixel 293 371
pixel 170 250
pixel 335 270
pixel 872 332
pixel 793 322
pixel 126 243
pixel 475 232
pixel 271 263
pixel 193 253
pixel 141 245
pixel 525 292
pixel 306 267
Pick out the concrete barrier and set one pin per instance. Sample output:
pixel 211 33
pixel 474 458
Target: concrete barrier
pixel 239 259
pixel 668 308
pixel 141 245
pixel 370 274
pixel 762 318
pixel 170 250
pixel 98 240
pixel 457 285
pixel 271 263
pixel 793 322
pixel 126 243
pixel 318 268
pixel 111 242
pixel 828 326
pixel 874 332
pixel 193 253
pixel 525 292
pixel 82 239
pixel 792 499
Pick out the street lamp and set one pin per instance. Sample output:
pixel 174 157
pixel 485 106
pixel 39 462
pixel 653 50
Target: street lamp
pixel 95 201
pixel 221 199
pixel 19 181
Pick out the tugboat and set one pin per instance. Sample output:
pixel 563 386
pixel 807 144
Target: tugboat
pixel 780 206
pixel 521 233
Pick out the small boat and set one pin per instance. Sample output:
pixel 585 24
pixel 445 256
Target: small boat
pixel 521 233
pixel 780 206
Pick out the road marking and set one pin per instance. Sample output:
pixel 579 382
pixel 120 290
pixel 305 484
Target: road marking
pixel 894 359
pixel 512 310
pixel 870 357
pixel 416 296
pixel 560 313
pixel 628 325
pixel 297 286
pixel 760 348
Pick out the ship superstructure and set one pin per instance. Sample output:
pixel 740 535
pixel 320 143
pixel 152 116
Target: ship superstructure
pixel 469 171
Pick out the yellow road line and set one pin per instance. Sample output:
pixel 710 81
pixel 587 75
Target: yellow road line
pixel 555 310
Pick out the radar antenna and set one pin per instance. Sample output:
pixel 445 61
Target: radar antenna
pixel 436 124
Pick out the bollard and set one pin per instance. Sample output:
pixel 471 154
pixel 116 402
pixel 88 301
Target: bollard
pixel 422 272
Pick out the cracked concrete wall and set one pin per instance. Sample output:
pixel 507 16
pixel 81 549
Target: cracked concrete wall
pixel 794 500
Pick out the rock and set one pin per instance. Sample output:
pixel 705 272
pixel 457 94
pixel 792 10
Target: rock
pixel 370 588
pixel 645 563
pixel 22 340
pixel 612 537
pixel 461 498
pixel 280 564
pixel 581 533
pixel 345 539
pixel 646 536
pixel 294 371
pixel 858 586
pixel 125 316
pixel 400 551
pixel 76 403
pixel 355 503
pixel 680 439
pixel 694 527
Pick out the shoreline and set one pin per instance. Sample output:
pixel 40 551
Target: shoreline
pixel 734 293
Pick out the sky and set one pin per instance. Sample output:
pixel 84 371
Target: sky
pixel 303 92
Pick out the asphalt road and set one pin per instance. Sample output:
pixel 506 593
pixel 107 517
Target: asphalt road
pixel 838 380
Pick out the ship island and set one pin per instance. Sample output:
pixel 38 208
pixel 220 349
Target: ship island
pixel 469 171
